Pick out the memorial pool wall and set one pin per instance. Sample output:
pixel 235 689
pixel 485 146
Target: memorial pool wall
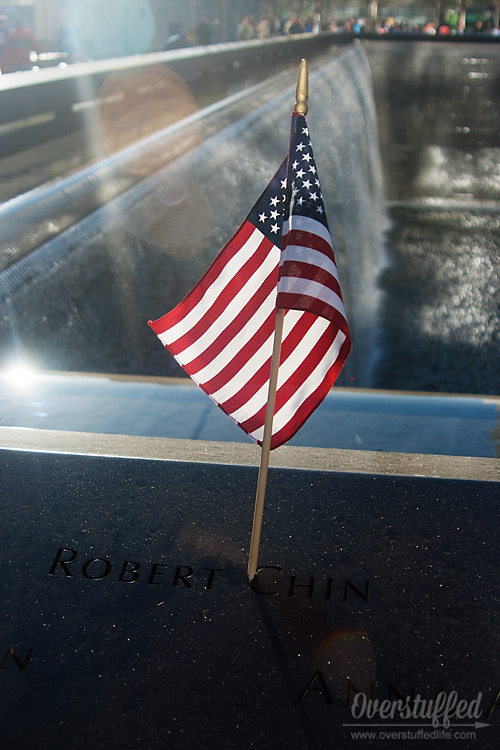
pixel 81 301
pixel 406 138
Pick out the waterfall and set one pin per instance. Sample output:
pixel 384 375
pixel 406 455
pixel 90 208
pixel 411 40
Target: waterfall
pixel 81 300
pixel 345 137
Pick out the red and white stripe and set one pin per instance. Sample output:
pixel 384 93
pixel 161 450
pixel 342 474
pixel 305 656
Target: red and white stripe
pixel 222 335
pixel 308 277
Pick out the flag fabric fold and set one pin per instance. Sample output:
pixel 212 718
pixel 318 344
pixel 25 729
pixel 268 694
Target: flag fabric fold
pixel 281 256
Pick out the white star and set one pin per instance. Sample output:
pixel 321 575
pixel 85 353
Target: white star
pixel 274 201
pixel 300 146
pixel 316 182
pixel 300 172
pixel 314 197
pixel 295 164
pixel 313 169
pixel 274 228
pixel 306 157
pixel 305 131
pixel 306 184
pixel 300 201
pixel 283 184
pixel 320 209
pixel 274 214
pixel 262 217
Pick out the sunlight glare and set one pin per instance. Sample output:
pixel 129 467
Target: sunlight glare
pixel 19 374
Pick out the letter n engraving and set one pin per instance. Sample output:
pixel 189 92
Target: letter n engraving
pixel 393 693
pixel 349 585
pixel 353 690
pixel 21 664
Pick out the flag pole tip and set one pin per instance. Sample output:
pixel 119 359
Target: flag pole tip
pixel 302 92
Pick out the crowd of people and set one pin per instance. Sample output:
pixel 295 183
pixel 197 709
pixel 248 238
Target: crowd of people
pixel 250 28
pixel 267 27
pixel 452 25
pixel 17 44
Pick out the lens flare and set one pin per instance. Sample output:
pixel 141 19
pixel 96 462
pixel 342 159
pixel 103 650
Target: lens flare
pixel 19 375
pixel 347 658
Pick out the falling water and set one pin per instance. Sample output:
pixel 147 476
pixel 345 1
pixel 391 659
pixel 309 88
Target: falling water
pixel 81 301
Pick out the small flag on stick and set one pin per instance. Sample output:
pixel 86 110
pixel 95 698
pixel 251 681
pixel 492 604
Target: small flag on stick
pixel 265 328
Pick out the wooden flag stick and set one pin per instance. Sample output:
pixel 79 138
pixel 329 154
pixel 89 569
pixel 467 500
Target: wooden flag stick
pixel 266 447
pixel 301 108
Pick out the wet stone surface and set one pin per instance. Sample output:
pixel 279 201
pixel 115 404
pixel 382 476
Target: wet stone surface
pixel 441 313
pixel 437 107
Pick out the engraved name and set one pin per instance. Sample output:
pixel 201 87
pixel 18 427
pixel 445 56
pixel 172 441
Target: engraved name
pixel 97 568
pixel 68 563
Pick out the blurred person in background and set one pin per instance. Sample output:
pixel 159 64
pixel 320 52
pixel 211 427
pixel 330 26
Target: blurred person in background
pixel 276 27
pixel 204 33
pixel 18 45
pixel 357 26
pixel 263 29
pixel 245 29
pixel 297 26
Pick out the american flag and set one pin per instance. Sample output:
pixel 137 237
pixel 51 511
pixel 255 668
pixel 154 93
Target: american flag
pixel 222 332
